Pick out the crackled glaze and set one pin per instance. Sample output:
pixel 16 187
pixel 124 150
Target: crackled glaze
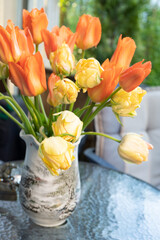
pixel 48 200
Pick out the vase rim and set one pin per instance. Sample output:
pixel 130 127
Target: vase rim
pixel 22 134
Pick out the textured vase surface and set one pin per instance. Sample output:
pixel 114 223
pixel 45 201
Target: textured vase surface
pixel 48 200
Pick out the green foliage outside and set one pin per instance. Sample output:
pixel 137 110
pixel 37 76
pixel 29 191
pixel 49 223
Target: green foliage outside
pixel 138 19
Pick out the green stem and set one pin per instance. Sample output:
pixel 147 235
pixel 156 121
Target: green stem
pixel 32 113
pixel 84 107
pixel 36 103
pixel 88 113
pixel 11 117
pixel 34 109
pixel 36 47
pixel 42 108
pixel 99 108
pixel 83 54
pixel 28 127
pixel 71 107
pixel 101 134
pixel 50 121
pixel 6 87
pixel 13 107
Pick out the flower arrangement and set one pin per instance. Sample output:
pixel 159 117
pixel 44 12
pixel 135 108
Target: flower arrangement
pixel 22 63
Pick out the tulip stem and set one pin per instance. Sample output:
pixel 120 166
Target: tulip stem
pixel 34 109
pixel 88 113
pixel 99 108
pixel 31 112
pixel 28 127
pixel 80 112
pixel 43 110
pixel 50 121
pixel 101 134
pixel 11 117
pixel 83 54
pixel 36 103
pixel 71 107
pixel 6 87
pixel 37 47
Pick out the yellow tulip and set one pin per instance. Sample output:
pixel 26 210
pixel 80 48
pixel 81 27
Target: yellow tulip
pixel 65 91
pixel 62 60
pixel 134 149
pixel 56 153
pixel 88 72
pixel 68 123
pixel 125 103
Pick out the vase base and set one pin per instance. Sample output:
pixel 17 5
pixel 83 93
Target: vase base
pixel 48 223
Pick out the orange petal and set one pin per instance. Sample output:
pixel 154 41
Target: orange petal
pixel 109 81
pixel 88 32
pixel 36 79
pixel 14 46
pixel 25 41
pixel 26 19
pixel 124 52
pixel 131 79
pixel 5 48
pixel 51 41
pixel 18 77
pixel 93 33
pixel 38 23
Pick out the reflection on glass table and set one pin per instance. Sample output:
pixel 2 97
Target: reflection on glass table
pixel 113 206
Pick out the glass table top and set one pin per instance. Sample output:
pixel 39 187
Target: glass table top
pixel 113 206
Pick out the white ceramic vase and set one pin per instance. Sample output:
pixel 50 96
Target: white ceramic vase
pixel 48 200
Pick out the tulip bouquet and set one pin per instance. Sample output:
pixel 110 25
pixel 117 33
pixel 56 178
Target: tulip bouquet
pixel 22 63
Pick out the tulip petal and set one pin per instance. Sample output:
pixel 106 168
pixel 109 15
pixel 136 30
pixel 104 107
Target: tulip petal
pixel 18 77
pixel 14 46
pixel 25 41
pixel 130 80
pixel 51 41
pixel 5 49
pixel 93 34
pixel 124 52
pixel 36 79
pixel 38 24
pixel 110 78
pixel 88 32
pixel 26 19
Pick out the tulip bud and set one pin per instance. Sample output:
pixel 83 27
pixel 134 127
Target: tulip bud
pixel 56 153
pixel 36 21
pixel 124 103
pixel 68 123
pixel 88 32
pixel 88 72
pixel 4 71
pixel 62 60
pixel 134 149
pixel 65 91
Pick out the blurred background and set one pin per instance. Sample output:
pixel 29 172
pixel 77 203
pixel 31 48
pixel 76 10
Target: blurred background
pixel 139 19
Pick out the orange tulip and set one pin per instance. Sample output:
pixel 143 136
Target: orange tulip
pixel 58 36
pixel 134 76
pixel 14 43
pixel 29 75
pixel 88 32
pixel 110 78
pixel 124 52
pixel 36 21
pixel 51 84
